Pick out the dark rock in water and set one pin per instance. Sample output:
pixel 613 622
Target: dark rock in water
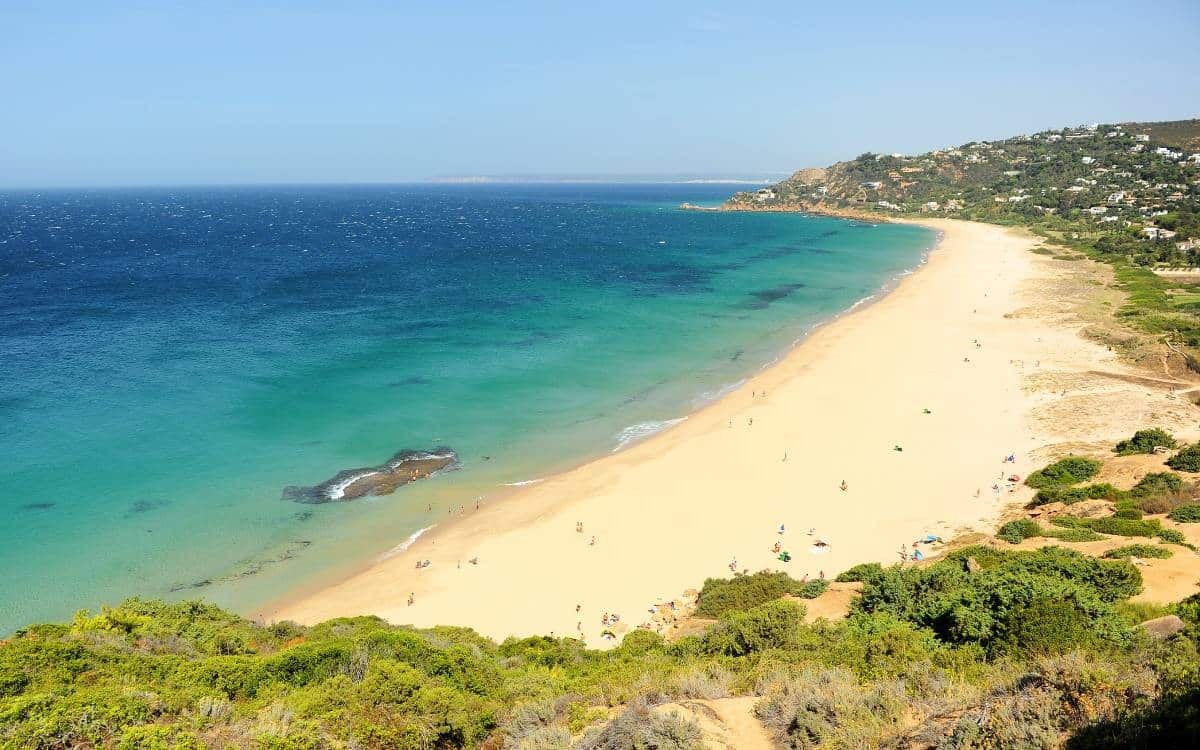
pixel 37 506
pixel 144 506
pixel 192 585
pixel 351 484
pixel 764 297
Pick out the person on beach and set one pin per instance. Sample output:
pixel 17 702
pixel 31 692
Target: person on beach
pixel 751 424
pixel 579 527
pixel 412 597
pixel 780 528
pixel 845 486
pixel 592 543
pixel 776 548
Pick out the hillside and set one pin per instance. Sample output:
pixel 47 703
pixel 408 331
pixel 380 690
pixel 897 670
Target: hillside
pixel 1127 194
pixel 1121 180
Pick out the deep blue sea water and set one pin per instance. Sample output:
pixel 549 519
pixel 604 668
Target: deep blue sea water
pixel 170 359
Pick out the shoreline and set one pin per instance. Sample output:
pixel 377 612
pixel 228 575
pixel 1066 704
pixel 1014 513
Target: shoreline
pixel 651 504
pixel 813 209
pixel 509 491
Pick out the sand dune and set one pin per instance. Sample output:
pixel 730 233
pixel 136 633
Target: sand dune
pixel 682 505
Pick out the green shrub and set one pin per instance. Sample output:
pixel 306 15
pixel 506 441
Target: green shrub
pixel 1145 441
pixel 1187 459
pixel 1064 472
pixel 771 625
pixel 1172 536
pixel 1139 550
pixel 1072 535
pixel 978 608
pixel 813 589
pixel 1046 625
pixel 1014 532
pixel 1112 525
pixel 860 572
pixel 1157 483
pixel 1132 513
pixel 722 595
pixel 1125 526
pixel 1072 495
pixel 1189 513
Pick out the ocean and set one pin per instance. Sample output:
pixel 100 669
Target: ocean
pixel 172 359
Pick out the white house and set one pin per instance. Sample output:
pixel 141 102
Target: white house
pixel 1155 233
pixel 1087 160
pixel 1097 210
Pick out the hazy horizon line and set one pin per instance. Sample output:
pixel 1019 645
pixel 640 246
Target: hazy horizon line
pixel 464 180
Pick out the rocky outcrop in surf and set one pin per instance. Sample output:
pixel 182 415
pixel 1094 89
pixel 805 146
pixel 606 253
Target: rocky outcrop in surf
pixel 351 484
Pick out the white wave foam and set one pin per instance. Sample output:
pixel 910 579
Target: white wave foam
pixel 710 396
pixel 336 491
pixel 405 544
pixel 643 430
pixel 523 482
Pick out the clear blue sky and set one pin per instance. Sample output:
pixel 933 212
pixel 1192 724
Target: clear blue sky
pixel 98 93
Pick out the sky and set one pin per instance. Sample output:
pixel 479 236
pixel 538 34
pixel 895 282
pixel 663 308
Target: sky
pixel 97 93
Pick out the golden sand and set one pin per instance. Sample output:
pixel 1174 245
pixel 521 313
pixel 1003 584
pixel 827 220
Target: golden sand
pixel 684 504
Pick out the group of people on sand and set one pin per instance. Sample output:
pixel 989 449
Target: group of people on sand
pixel 579 530
pixel 915 554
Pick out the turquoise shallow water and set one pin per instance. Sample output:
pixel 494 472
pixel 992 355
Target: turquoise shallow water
pixel 171 359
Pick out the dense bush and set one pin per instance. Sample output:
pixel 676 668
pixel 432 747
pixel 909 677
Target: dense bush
pixel 722 595
pixel 964 650
pixel 860 572
pixel 1157 483
pixel 1145 441
pixel 1064 472
pixel 980 608
pixel 1186 513
pixel 1172 536
pixel 1125 526
pixel 1014 532
pixel 772 625
pixel 1072 495
pixel 813 589
pixel 1112 525
pixel 1187 459
pixel 1017 531
pixel 829 708
pixel 1139 550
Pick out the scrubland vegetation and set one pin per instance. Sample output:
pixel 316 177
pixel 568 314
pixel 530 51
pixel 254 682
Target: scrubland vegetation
pixel 985 648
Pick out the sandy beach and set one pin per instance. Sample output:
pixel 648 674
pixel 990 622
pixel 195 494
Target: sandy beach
pixel 913 401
